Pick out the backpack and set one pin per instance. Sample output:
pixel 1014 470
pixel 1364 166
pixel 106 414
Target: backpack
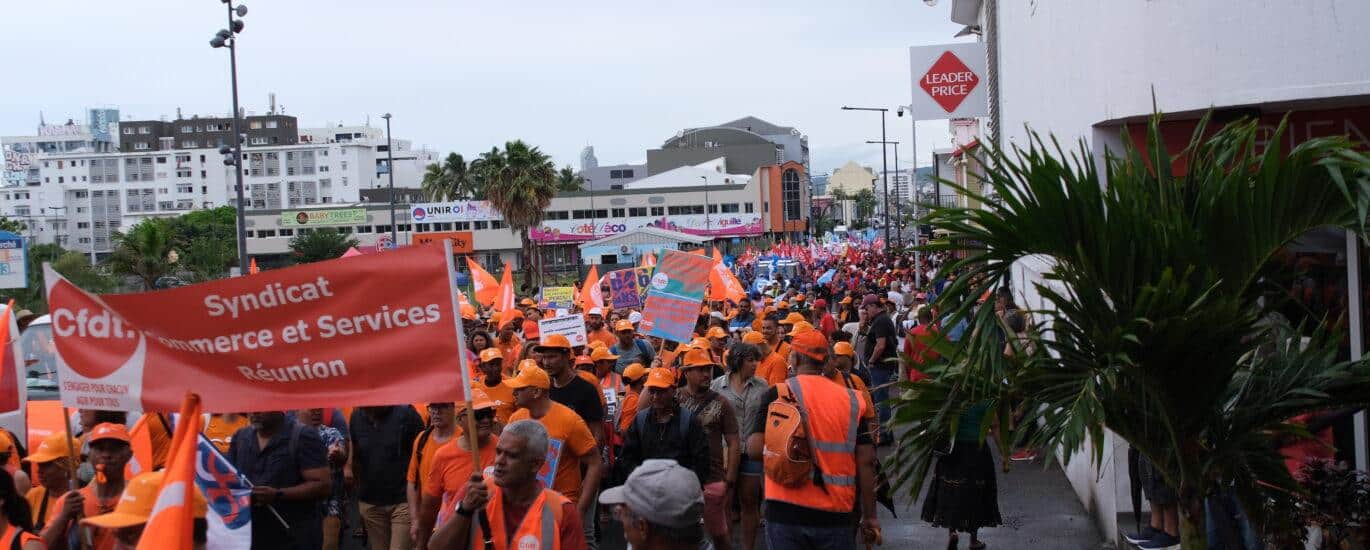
pixel 787 457
pixel 418 456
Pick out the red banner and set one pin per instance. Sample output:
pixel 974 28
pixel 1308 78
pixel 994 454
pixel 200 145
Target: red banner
pixel 345 332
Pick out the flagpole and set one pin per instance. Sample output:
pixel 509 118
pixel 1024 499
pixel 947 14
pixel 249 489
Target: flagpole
pixel 472 439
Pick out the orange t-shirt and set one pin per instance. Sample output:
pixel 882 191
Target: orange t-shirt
pixel 451 470
pixel 161 438
pixel 220 431
pixel 502 395
pixel 421 462
pixel 568 439
pixel 36 496
pixel 627 410
pixel 603 336
pixel 773 369
pixel 511 350
pixel 101 539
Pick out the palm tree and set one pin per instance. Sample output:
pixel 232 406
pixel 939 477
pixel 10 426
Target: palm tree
pixel 319 245
pixel 569 180
pixel 1159 313
pixel 450 180
pixel 145 251
pixel 519 182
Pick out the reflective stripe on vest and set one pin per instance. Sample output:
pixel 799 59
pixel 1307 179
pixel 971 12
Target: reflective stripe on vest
pixel 546 506
pixel 847 446
pixel 831 428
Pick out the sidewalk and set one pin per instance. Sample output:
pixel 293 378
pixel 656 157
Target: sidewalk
pixel 1038 507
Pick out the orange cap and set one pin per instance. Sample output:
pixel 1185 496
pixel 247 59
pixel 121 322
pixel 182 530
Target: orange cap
pixel 634 372
pixel 716 332
pixel 843 348
pixel 509 317
pixel 660 377
pixel 491 354
pixel 468 312
pixel 602 354
pixel 108 430
pixel 526 364
pixel 802 326
pixel 553 341
pixel 595 344
pixel 136 503
pixel 584 360
pixel 530 377
pixel 811 344
pixel 479 400
pixel 623 325
pixel 527 302
pixel 698 357
pixel 783 305
pixel 792 318
pixel 753 337
pixel 53 447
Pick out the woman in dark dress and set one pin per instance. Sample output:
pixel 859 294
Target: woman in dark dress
pixel 964 495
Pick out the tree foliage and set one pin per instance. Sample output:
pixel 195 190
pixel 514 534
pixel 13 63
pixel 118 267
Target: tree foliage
pixel 145 252
pixel 320 244
pixel 569 180
pixel 207 241
pixel 1161 323
pixel 13 226
pixel 520 182
pixel 452 179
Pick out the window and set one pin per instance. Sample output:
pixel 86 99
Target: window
pixel 637 212
pixel 287 232
pixel 255 125
pixel 363 229
pixel 497 224
pixel 258 141
pixel 270 124
pixel 713 208
pixel 184 173
pixel 618 212
pixel 557 215
pixel 447 226
pixel 685 210
pixel 482 225
pixel 461 226
pixel 728 208
pixel 266 233
pixel 82 225
pixel 59 179
pixel 145 130
pixel 382 229
pixel 189 143
pixel 615 174
pixel 185 188
pixel 161 160
pixel 141 146
pixel 185 129
pixel 128 131
pixel 790 194
pixel 658 211
pixel 751 207
pixel 323 168
pixel 627 173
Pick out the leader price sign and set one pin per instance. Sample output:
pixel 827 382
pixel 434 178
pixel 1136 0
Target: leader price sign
pixel 949 81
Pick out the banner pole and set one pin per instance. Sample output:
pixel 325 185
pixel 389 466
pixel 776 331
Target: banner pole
pixel 471 437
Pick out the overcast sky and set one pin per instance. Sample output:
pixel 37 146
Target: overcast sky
pixel 462 76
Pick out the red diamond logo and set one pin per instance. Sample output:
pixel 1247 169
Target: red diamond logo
pixel 949 81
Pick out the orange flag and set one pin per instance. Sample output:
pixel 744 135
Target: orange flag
pixel 141 441
pixel 590 293
pixel 718 256
pixel 505 300
pixel 487 288
pixel 252 267
pixel 648 260
pixel 697 251
pixel 171 525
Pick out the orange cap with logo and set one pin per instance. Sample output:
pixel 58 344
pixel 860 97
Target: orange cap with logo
pixel 584 360
pixel 802 326
pixel 108 430
pixel 491 354
pixel 602 354
pixel 53 447
pixel 660 377
pixel 716 332
pixel 136 503
pixel 623 325
pixel 843 348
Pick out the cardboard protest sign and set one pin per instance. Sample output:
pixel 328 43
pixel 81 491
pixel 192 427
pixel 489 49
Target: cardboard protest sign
pixel 571 326
pixel 623 287
pixel 558 297
pixel 677 288
pixel 644 282
pixel 345 332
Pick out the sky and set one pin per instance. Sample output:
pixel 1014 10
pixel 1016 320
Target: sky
pixel 623 76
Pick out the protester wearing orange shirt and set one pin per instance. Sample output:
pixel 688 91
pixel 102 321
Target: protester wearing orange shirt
pixel 451 468
pixel 530 323
pixel 221 427
pixel 109 452
pixel 439 433
pixel 775 329
pixel 633 379
pixel 570 443
pixel 53 477
pixel 491 382
pixel 773 368
pixel 507 342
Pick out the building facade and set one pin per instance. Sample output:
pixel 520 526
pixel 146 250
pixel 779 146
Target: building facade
pixel 205 133
pixel 748 143
pixel 1260 63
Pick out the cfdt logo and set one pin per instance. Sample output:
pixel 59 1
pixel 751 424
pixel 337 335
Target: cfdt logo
pixel 419 214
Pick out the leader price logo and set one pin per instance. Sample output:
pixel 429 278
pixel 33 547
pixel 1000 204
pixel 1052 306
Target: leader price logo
pixel 949 81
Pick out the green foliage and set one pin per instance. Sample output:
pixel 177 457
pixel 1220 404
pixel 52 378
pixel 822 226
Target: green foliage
pixel 207 258
pixel 865 204
pixel 145 252
pixel 520 182
pixel 569 180
pixel 73 265
pixel 319 245
pixel 1159 326
pixel 451 180
pixel 13 226
pixel 207 241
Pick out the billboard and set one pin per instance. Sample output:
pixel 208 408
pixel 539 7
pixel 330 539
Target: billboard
pixel 949 81
pixel 344 216
pixel 13 261
pixel 456 211
pixel 462 241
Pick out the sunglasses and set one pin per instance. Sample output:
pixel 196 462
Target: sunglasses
pixel 484 414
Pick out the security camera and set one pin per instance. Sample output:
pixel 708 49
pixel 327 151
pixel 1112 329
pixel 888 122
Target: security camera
pixel 900 110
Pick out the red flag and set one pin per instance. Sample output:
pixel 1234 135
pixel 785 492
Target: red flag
pixel 487 288
pixel 171 525
pixel 505 299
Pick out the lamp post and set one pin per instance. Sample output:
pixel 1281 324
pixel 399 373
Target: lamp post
pixel 898 233
pixel 228 38
pixel 884 168
pixel 390 170
pixel 708 227
pixel 913 180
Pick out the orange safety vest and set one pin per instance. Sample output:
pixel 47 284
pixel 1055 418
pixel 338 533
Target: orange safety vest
pixel 14 538
pixel 539 530
pixel 833 413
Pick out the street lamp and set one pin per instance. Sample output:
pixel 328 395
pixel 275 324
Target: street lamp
pixel 708 227
pixel 390 169
pixel 884 168
pixel 228 38
pixel 913 179
pixel 898 233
